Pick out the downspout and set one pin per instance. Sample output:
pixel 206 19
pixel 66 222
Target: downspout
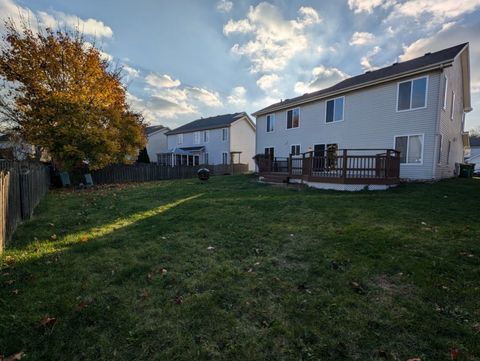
pixel 437 127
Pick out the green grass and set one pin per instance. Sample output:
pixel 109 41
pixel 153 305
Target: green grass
pixel 127 273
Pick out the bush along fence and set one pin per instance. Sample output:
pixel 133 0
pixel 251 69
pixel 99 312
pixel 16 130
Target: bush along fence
pixel 22 186
pixel 153 172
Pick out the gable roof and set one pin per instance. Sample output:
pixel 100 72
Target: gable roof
pixel 218 121
pixel 153 128
pixel 427 62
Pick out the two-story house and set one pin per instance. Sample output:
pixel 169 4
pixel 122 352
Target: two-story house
pixel 222 139
pixel 156 140
pixel 416 107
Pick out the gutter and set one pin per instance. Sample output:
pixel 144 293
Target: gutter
pixel 438 66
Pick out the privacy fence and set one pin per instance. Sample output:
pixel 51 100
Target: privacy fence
pixel 153 172
pixel 22 186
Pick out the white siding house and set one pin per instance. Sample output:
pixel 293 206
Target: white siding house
pixel 215 140
pixel 402 107
pixel 156 141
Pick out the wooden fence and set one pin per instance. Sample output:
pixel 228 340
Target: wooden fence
pixel 22 186
pixel 153 172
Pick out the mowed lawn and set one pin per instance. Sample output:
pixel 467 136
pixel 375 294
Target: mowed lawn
pixel 235 270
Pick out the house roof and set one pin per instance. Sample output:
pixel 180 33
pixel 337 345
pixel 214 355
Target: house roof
pixel 426 62
pixel 218 121
pixel 153 128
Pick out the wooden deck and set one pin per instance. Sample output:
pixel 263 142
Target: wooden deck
pixel 346 166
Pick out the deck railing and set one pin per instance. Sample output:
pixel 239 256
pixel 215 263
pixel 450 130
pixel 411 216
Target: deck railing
pixel 381 166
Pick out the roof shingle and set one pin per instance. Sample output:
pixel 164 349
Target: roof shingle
pixel 218 121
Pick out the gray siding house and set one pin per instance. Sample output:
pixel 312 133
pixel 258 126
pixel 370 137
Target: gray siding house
pixel 156 140
pixel 222 139
pixel 416 107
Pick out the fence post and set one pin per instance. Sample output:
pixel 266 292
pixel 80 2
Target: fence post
pixel 387 164
pixel 345 160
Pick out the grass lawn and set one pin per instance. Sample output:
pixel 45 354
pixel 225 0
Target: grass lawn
pixel 236 270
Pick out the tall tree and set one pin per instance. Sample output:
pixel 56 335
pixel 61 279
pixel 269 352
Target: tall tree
pixel 61 95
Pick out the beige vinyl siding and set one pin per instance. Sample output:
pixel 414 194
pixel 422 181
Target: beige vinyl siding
pixel 242 139
pixel 450 130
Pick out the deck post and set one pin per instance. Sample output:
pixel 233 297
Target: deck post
pixel 344 175
pixel 290 164
pixel 387 164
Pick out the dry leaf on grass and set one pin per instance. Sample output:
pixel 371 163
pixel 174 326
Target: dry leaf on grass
pixel 48 321
pixel 15 356
pixel 357 288
pixel 145 294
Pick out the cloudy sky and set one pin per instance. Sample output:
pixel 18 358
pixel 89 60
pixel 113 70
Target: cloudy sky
pixel 188 58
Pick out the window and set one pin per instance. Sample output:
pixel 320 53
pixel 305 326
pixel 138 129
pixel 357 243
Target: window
pixel 410 148
pixel 412 94
pixel 225 134
pixel 179 138
pixel 206 136
pixel 448 151
pixel 205 158
pixel 197 137
pixel 439 160
pixel 334 111
pixel 445 93
pixel 270 152
pixel 295 149
pixel 270 123
pixel 293 118
pixel 224 158
pixel 452 110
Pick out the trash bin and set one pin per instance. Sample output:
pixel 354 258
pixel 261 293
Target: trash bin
pixel 466 170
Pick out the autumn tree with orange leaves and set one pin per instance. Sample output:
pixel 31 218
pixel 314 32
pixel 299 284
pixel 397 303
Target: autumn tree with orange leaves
pixel 59 94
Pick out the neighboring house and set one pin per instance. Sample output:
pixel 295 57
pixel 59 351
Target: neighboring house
pixel 156 141
pixel 416 107
pixel 474 154
pixel 222 139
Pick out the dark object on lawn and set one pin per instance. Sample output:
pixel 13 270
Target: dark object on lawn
pixel 203 174
pixel 65 178
pixel 88 180
pixel 466 170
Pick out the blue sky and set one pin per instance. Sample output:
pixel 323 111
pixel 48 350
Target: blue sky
pixel 184 59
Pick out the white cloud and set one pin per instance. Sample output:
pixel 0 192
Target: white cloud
pixel 321 78
pixel 362 38
pixel 365 61
pixel 364 5
pixel 268 82
pixel 274 40
pixel 224 6
pixel 440 10
pixel 206 97
pixel 59 20
pixel 162 81
pixel 238 96
pixel 131 72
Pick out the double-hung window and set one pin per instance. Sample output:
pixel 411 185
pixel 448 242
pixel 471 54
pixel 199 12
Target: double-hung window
pixel 412 94
pixel 224 158
pixel 295 149
pixel 335 109
pixel 293 118
pixel 179 139
pixel 270 123
pixel 224 134
pixel 270 152
pixel 410 148
pixel 206 136
pixel 197 137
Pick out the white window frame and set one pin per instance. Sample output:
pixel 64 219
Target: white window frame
pixel 411 94
pixel 197 137
pixel 226 158
pixel 452 110
pixel 179 139
pixel 206 136
pixel 299 149
pixel 408 143
pixel 286 118
pixel 269 148
pixel 343 110
pixel 445 94
pixel 272 117
pixel 224 132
